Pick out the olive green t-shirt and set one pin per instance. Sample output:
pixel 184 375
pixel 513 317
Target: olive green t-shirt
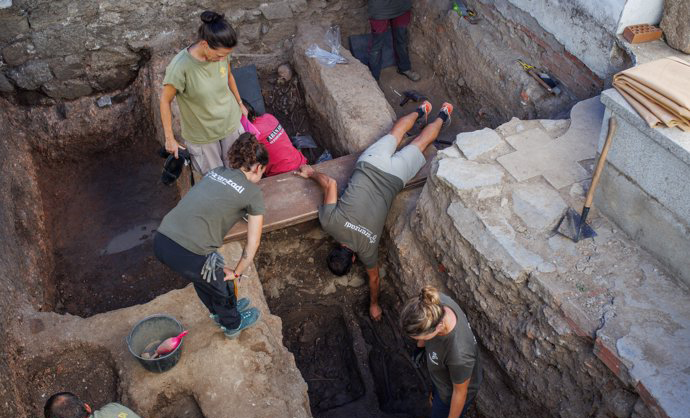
pixel 114 410
pixel 208 108
pixel 454 358
pixel 357 219
pixel 206 213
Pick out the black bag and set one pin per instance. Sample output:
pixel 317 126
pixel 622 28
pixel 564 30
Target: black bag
pixel 172 168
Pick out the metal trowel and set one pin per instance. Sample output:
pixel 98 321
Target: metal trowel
pixel 573 225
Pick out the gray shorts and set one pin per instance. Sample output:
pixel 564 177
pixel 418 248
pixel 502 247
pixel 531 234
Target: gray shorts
pixel 206 157
pixel 403 164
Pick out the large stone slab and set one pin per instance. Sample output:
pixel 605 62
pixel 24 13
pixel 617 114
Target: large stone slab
pixel 538 205
pixel 349 109
pixel 644 187
pixel 475 144
pixel 467 175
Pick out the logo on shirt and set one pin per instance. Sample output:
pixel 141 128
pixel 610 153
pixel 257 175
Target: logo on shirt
pixel 433 357
pixel 222 70
pixel 362 230
pixel 220 179
pixel 273 136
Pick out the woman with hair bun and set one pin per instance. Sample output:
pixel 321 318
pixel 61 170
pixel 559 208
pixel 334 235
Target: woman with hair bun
pixel 445 339
pixel 191 233
pixel 210 105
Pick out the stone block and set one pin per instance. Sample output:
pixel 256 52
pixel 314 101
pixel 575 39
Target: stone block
pixel 18 53
pixel 676 24
pixel 538 205
pixel 70 89
pixel 31 75
pixel 348 108
pixel 529 139
pixel 475 144
pixel 250 31
pixel 12 25
pixel 464 175
pixel 298 6
pixel 555 128
pixel 492 236
pixel 5 84
pixel 274 11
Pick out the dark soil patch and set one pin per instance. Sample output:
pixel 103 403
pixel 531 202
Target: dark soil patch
pixel 182 406
pixel 325 320
pixel 87 372
pixel 102 211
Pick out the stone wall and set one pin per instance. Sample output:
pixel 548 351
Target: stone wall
pixel 68 48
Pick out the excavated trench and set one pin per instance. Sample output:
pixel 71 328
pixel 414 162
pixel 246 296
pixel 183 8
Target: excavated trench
pixel 353 366
pixel 102 211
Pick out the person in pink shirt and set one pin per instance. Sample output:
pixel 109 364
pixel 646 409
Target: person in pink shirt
pixel 283 156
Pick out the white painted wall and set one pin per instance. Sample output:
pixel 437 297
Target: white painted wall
pixel 641 11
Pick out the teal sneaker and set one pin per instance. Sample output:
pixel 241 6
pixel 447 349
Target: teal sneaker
pixel 242 305
pixel 249 317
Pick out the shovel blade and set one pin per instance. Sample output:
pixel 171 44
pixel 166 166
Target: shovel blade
pixel 571 226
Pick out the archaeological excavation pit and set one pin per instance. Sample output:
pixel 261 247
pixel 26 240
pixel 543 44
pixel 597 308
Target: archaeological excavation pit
pixel 102 210
pixel 351 364
pixel 563 327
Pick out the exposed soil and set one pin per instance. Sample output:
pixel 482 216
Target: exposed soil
pixel 393 85
pixel 87 372
pixel 102 211
pixel 350 364
pixel 183 406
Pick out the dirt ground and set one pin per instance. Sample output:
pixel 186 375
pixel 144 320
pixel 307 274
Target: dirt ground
pixel 393 85
pixel 102 211
pixel 87 372
pixel 325 317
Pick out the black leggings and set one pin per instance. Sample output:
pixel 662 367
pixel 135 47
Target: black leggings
pixel 217 296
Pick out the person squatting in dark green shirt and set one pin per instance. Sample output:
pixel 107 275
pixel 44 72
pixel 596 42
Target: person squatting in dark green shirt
pixel 192 232
pixel 356 219
pixel 68 405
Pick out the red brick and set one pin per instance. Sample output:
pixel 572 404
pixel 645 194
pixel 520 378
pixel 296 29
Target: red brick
pixel 610 359
pixel 650 401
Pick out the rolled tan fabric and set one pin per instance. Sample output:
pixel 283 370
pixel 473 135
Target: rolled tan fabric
pixel 659 91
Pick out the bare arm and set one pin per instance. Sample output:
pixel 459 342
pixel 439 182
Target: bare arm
pixel 457 400
pixel 235 92
pixel 374 308
pixel 328 185
pixel 167 96
pixel 254 225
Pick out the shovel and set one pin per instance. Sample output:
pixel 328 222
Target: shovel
pixel 572 224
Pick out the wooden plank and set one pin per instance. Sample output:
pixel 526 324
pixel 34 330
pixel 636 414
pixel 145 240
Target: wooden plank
pixel 292 200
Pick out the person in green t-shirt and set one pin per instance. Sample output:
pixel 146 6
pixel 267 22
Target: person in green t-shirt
pixel 356 219
pixel 445 339
pixel 210 105
pixel 191 233
pixel 68 405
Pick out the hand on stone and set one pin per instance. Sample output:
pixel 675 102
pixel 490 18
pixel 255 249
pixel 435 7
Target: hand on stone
pixel 305 171
pixel 375 312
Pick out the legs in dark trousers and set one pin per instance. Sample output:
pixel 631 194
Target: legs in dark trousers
pixel 441 410
pixel 216 296
pixel 399 29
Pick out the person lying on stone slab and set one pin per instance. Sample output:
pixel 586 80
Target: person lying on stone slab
pixel 356 219
pixel 68 405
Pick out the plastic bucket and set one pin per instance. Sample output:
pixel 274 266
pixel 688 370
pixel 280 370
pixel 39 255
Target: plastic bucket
pixel 155 327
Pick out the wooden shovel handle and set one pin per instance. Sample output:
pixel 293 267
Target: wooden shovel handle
pixel 602 159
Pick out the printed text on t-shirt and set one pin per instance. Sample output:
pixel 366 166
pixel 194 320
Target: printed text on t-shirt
pixel 273 136
pixel 362 230
pixel 220 179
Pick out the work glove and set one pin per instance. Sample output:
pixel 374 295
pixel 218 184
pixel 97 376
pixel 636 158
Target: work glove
pixel 214 262
pixel 417 356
